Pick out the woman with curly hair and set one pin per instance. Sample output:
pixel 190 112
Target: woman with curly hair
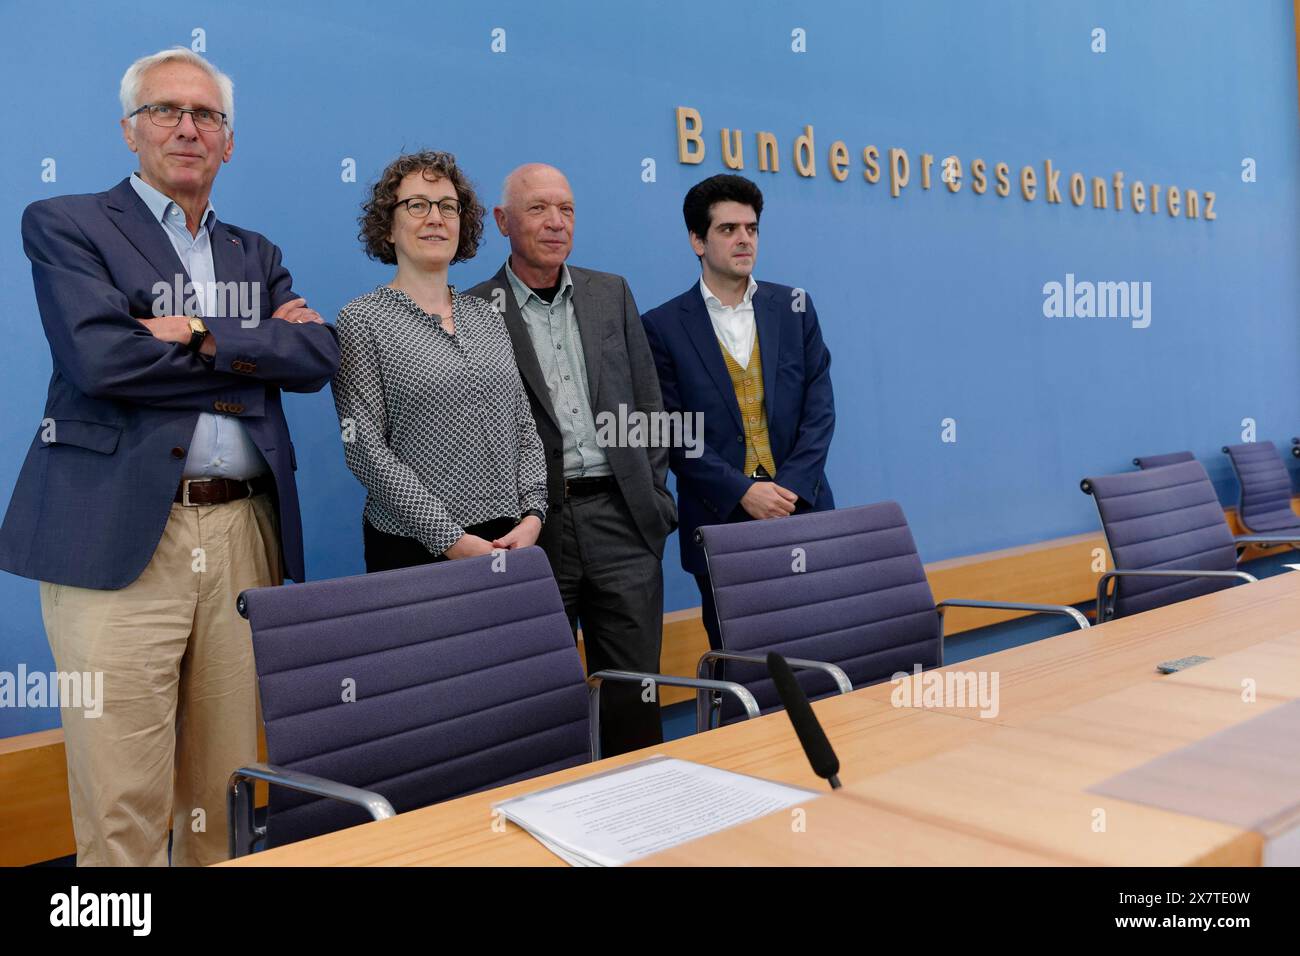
pixel 434 417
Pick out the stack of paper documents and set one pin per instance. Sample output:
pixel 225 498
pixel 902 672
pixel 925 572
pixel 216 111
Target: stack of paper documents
pixel 623 815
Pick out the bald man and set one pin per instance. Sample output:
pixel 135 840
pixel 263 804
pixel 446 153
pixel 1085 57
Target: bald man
pixel 582 351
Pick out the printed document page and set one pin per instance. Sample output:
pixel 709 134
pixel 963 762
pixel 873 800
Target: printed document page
pixel 629 813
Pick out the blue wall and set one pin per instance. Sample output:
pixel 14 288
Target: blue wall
pixel 931 304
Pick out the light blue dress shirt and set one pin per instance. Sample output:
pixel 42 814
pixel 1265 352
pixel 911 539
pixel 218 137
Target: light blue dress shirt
pixel 553 328
pixel 220 447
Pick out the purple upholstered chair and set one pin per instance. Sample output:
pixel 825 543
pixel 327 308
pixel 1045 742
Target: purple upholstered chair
pixel 386 692
pixel 1265 504
pixel 842 594
pixel 1159 461
pixel 1167 536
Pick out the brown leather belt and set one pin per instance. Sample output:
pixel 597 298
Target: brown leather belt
pixel 217 491
pixel 588 486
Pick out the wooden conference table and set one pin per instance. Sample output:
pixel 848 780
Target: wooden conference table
pixel 947 786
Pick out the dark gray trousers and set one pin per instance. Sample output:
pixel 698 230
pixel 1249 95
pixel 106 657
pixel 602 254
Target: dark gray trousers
pixel 613 588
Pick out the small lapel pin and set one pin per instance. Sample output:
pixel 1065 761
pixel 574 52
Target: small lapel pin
pixel 234 240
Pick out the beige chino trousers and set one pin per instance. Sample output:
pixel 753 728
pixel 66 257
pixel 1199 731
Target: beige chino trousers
pixel 180 708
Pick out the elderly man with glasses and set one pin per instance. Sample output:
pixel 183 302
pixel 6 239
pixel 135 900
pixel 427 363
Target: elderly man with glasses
pixel 159 483
pixel 582 353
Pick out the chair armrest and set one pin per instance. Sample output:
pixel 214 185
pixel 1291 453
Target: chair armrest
pixel 1062 609
pixel 1267 538
pixel 239 804
pixel 842 682
pixel 1104 580
pixel 595 680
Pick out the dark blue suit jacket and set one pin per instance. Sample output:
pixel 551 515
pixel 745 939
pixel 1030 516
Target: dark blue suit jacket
pixel 797 395
pixel 90 505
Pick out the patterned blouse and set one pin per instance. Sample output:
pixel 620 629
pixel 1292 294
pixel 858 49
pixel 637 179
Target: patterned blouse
pixel 436 426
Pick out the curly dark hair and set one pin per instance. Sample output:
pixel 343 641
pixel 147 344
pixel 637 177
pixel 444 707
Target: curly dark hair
pixel 376 217
pixel 697 209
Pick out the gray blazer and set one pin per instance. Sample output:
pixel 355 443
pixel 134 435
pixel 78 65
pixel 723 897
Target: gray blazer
pixel 620 371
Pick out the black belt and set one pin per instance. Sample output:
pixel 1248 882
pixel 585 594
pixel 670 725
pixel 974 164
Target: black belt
pixel 217 491
pixel 588 486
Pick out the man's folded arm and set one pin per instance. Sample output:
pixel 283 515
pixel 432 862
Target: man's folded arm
pixel 297 357
pixel 95 340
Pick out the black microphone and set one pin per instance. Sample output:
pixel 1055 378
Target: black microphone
pixel 806 726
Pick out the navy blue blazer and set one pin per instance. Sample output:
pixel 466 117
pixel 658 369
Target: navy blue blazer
pixel 96 488
pixel 797 396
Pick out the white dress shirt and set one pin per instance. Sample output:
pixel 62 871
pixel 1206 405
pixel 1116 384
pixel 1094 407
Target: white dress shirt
pixel 733 325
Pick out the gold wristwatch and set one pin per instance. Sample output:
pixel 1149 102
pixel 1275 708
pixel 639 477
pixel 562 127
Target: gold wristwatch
pixel 198 332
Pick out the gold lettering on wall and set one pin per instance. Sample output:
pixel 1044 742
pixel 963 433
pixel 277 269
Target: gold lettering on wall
pixel 804 163
pixel 733 150
pixel 1028 182
pixel 1002 173
pixel 1181 202
pixel 1098 193
pixel 690 144
pixel 871 160
pixel 1052 181
pixel 900 170
pixel 952 175
pixel 839 161
pixel 768 161
pixel 1078 189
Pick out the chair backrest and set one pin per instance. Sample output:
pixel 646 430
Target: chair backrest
pixel 1159 461
pixel 1164 518
pixel 846 587
pixel 464 674
pixel 1265 484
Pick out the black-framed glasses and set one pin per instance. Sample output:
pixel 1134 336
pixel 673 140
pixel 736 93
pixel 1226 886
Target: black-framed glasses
pixel 419 207
pixel 168 116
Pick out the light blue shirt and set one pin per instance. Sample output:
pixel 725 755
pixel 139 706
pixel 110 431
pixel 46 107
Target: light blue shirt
pixel 220 447
pixel 553 328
